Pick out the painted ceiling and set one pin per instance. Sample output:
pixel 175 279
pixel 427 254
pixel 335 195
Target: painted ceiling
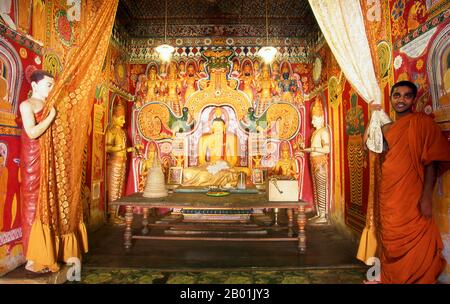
pixel 217 18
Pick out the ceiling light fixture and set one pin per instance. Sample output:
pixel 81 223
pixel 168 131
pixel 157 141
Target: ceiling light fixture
pixel 165 50
pixel 267 52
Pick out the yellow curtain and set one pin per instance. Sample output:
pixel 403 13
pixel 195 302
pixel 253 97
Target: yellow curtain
pixel 58 232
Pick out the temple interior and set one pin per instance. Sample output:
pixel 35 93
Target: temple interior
pixel 236 159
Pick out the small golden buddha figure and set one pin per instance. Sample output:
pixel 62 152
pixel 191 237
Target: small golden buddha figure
pixel 190 81
pixel 286 165
pixel 147 164
pixel 5 105
pixel 265 85
pixel 320 148
pixel 275 71
pixel 182 68
pixel 172 88
pixel 248 81
pixel 236 69
pixel 153 84
pixel 116 147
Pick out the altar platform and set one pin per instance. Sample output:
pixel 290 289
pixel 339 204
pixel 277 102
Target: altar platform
pixel 179 200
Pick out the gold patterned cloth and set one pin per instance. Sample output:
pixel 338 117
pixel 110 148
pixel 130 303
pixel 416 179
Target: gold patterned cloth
pixel 58 232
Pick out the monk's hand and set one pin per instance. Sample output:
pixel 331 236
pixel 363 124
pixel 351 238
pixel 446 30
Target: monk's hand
pixel 426 205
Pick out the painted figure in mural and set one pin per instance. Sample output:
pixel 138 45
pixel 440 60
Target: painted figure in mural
pixel 265 86
pixel 34 125
pixel 116 147
pixel 248 81
pixel 172 88
pixel 141 90
pixel 201 69
pixel 153 84
pixel 275 71
pixel 236 69
pixel 320 148
pixel 355 150
pixel 444 100
pixel 5 105
pixel 190 81
pixel 418 153
pixel 3 182
pixel 182 68
pixel 286 165
pixel 287 84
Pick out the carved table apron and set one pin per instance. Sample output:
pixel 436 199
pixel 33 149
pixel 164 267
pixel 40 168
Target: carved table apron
pixel 200 200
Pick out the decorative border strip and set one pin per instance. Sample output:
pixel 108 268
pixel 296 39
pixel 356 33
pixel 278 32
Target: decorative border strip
pixel 296 54
pixel 439 19
pixel 21 39
pixel 10 131
pixel 9 236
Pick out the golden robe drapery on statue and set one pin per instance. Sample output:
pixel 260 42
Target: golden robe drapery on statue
pixel 58 232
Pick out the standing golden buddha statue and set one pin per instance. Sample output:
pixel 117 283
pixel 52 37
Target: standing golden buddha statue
pixel 172 88
pixel 116 147
pixel 265 85
pixel 320 148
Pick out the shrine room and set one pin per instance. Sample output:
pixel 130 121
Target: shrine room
pixel 224 142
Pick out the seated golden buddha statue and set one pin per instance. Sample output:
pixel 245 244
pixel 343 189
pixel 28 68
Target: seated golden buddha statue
pixel 286 166
pixel 217 158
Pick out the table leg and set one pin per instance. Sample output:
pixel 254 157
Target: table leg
pixel 128 221
pixel 301 221
pixel 290 222
pixel 145 221
pixel 275 215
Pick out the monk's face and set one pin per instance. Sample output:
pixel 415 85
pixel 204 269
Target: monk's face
pixel 402 99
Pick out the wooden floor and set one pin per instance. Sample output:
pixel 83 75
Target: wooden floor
pixel 327 248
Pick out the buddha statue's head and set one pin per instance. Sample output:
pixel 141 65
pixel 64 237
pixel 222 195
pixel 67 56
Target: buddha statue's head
pixel 317 114
pixel 42 83
pixel 118 116
pixel 218 124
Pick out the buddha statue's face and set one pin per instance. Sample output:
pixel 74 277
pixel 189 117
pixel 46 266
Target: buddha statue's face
pixel 119 120
pixel 317 121
pixel 265 73
pixel 218 127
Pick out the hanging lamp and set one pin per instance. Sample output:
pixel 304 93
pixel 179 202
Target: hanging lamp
pixel 267 52
pixel 165 50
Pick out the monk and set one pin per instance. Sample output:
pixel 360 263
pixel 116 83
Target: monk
pixel 411 243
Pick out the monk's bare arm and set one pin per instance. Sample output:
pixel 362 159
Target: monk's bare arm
pixel 33 129
pixel 427 193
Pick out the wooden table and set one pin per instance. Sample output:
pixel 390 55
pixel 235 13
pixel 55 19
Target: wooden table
pixel 201 200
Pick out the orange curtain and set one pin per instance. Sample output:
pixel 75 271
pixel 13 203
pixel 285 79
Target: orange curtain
pixel 58 232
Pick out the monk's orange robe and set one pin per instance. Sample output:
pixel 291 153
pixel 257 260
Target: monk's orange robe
pixel 411 243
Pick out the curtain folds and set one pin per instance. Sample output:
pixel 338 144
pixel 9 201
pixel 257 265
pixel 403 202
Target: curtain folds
pixel 342 25
pixel 58 231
